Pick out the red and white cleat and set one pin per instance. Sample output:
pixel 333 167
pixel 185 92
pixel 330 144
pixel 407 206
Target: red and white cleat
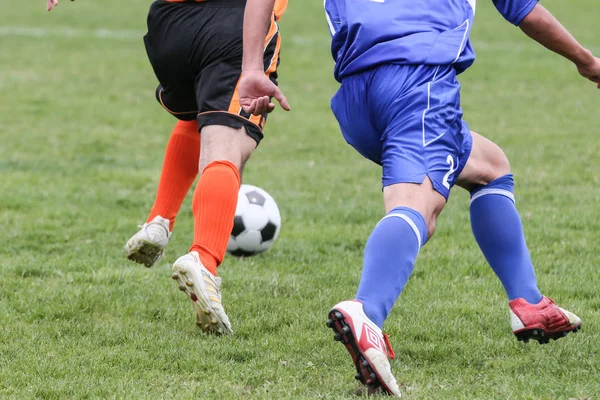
pixel 542 321
pixel 366 344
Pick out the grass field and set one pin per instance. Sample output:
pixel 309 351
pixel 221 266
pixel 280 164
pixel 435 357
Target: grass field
pixel 82 140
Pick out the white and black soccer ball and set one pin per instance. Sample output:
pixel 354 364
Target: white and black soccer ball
pixel 256 224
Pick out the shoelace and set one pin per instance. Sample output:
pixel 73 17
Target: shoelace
pixel 388 345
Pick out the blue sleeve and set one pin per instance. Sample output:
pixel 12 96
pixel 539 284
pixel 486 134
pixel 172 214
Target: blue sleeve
pixel 515 10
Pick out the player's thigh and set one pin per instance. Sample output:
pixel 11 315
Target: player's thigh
pixel 486 162
pixel 425 143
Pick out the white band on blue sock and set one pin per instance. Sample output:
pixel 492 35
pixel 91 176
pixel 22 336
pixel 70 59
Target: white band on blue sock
pixel 501 192
pixel 409 221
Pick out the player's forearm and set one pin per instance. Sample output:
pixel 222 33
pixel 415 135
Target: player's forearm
pixel 257 19
pixel 541 26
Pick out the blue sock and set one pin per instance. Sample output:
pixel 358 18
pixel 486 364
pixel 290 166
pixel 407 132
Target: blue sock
pixel 499 233
pixel 389 259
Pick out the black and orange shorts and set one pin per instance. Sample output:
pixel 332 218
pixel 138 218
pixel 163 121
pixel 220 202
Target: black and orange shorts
pixel 195 49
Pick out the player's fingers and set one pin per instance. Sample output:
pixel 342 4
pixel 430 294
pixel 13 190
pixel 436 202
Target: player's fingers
pixel 263 106
pixel 252 108
pixel 271 107
pixel 248 105
pixel 281 99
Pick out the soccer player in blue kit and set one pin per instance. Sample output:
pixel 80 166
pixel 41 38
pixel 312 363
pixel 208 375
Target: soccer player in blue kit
pixel 399 106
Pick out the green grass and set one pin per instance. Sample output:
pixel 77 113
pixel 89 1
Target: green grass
pixel 81 148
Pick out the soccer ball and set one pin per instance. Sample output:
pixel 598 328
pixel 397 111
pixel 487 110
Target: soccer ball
pixel 256 224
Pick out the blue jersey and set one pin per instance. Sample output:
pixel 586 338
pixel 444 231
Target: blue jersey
pixel 367 33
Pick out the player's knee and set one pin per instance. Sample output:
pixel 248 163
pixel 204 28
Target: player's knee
pixel 498 165
pixel 431 226
pixel 423 199
pixel 222 143
pixel 492 167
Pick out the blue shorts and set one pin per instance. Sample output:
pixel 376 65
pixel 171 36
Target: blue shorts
pixel 406 118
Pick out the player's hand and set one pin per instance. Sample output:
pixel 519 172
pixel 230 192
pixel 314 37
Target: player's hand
pixel 50 4
pixel 256 91
pixel 591 70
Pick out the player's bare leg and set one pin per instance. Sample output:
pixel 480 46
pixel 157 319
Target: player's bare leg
pixel 223 153
pixel 498 230
pixel 421 198
pixel 411 213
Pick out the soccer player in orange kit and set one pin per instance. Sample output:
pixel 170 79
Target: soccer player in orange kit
pixel 195 48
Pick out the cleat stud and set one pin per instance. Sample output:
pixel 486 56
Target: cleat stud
pixel 338 315
pixel 193 296
pixel 182 288
pixel 189 283
pixel 358 377
pixel 329 323
pixel 346 329
pixel 365 363
pixel 206 312
pixel 213 321
pixel 175 276
pixel 337 337
pixel 563 334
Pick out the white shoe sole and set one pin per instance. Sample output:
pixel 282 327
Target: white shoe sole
pixel 145 252
pixel 206 317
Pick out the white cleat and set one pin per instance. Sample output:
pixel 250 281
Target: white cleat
pixel 148 245
pixel 367 345
pixel 204 291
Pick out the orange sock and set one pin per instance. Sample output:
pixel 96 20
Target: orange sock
pixel 179 171
pixel 214 202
